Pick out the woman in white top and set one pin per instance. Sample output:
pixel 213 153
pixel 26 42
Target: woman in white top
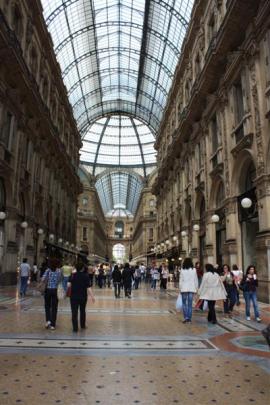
pixel 212 289
pixel 188 285
pixel 164 277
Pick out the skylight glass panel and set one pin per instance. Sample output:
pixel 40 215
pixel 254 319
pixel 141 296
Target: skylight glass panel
pixel 90 35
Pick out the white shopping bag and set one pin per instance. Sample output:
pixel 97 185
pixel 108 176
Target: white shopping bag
pixel 205 305
pixel 179 303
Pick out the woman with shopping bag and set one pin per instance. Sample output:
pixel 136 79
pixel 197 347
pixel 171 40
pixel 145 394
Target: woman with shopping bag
pixel 211 290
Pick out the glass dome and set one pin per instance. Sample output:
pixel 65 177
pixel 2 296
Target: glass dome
pixel 119 193
pixel 117 141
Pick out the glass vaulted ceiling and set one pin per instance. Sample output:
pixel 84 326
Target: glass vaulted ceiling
pixel 117 55
pixel 118 141
pixel 118 58
pixel 119 193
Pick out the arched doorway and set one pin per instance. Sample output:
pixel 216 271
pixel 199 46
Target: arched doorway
pixel 119 253
pixel 248 217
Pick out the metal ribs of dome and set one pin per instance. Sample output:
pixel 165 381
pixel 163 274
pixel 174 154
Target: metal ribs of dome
pixel 117 56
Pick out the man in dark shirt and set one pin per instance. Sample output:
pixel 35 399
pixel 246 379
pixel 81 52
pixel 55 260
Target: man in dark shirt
pixel 80 289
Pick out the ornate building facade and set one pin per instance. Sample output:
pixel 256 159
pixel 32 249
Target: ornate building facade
pixel 91 223
pixel 213 182
pixel 39 141
pixel 103 238
pixel 144 236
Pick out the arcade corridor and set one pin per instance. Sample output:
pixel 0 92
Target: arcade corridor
pixel 133 352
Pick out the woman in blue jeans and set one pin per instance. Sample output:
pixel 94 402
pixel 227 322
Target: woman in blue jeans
pixel 249 286
pixel 188 285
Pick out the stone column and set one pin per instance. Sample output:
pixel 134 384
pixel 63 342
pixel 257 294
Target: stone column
pixel 233 233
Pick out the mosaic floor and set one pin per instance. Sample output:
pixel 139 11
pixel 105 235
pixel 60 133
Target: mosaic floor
pixel 133 352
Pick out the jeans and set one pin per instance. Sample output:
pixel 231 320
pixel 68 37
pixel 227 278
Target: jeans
pixel 23 286
pixel 51 305
pixel 154 284
pixel 251 296
pixel 64 283
pixel 117 287
pixel 78 303
pixel 187 298
pixel 211 312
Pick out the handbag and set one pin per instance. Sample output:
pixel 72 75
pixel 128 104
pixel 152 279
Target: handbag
pixel 198 304
pixel 42 285
pixel 68 293
pixel 179 303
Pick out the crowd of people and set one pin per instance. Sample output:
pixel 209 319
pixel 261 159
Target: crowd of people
pixel 214 284
pixel 217 284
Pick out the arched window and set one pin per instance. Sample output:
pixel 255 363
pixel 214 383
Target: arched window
pixel 220 196
pixel 247 183
pixel 119 252
pixel 119 229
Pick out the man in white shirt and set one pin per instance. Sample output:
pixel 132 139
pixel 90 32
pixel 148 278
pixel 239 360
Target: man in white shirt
pixel 142 270
pixel 24 277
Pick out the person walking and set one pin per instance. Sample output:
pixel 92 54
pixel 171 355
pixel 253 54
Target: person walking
pixel 52 277
pixel 249 285
pixel 101 275
pixel 238 275
pixel 24 271
pixel 164 277
pixel 211 289
pixel 199 270
pixel 155 278
pixel 34 275
pixel 117 279
pixel 229 283
pixel 66 271
pixel 80 289
pixel 188 285
pixel 137 276
pixel 91 273
pixel 127 277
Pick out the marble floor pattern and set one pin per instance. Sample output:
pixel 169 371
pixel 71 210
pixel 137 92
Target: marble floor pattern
pixel 133 352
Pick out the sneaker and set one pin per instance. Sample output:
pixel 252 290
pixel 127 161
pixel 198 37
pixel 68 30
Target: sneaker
pixel 52 327
pixel 248 318
pixel 258 319
pixel 47 325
